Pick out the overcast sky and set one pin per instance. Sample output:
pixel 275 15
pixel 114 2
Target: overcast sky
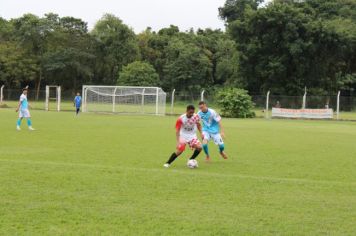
pixel 138 14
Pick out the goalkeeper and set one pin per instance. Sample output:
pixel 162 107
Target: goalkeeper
pixel 77 103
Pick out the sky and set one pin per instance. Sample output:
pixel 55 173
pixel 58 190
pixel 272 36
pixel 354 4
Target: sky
pixel 138 14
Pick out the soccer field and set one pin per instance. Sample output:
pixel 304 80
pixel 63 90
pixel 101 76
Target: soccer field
pixel 103 175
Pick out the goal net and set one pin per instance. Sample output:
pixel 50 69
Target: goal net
pixel 123 99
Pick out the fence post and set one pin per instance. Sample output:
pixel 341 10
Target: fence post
pixel 114 100
pixel 338 106
pixel 157 100
pixel 202 95
pixel 59 96
pixel 47 98
pixel 172 101
pixel 83 97
pixel 304 99
pixel 2 93
pixel 267 104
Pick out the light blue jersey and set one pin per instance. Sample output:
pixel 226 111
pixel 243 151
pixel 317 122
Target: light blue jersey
pixel 78 101
pixel 24 102
pixel 210 121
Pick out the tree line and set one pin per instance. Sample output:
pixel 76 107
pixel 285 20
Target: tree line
pixel 284 47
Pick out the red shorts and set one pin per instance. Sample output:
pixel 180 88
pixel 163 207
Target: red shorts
pixel 193 142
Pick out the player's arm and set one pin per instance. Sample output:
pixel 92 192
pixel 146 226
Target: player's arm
pixel 222 131
pixel 217 118
pixel 18 106
pixel 178 127
pixel 200 130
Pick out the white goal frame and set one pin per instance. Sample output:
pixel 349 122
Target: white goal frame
pixel 114 99
pixel 57 97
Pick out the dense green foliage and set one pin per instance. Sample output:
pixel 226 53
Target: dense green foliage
pixel 55 50
pixel 289 45
pixel 283 46
pixel 103 175
pixel 235 103
pixel 138 74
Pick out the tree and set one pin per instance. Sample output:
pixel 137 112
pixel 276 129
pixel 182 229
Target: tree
pixel 138 74
pixel 227 64
pixel 31 32
pixel 187 68
pixel 115 46
pixel 236 9
pixel 286 46
pixel 15 66
pixel 69 58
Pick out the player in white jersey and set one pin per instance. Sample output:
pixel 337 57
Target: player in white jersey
pixel 22 108
pixel 186 129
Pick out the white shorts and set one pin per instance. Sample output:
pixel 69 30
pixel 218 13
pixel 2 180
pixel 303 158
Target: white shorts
pixel 192 141
pixel 24 113
pixel 215 137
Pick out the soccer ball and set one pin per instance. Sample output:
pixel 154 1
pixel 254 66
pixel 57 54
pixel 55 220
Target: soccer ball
pixel 192 164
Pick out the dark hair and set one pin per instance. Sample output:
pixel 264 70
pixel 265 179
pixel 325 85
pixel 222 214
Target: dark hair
pixel 24 89
pixel 190 107
pixel 202 103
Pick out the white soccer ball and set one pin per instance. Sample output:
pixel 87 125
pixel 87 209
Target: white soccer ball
pixel 192 164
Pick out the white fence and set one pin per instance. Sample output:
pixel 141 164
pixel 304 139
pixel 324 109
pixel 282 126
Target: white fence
pixel 344 107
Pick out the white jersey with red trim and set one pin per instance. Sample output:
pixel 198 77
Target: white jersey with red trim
pixel 188 126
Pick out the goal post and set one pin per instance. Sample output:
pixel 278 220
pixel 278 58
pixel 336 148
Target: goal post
pixel 56 97
pixel 124 99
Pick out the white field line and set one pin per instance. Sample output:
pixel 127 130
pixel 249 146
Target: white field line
pixel 192 172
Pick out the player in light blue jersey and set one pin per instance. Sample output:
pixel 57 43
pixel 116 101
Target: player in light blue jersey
pixel 212 129
pixel 22 108
pixel 77 103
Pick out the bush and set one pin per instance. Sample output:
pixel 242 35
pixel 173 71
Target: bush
pixel 235 103
pixel 138 73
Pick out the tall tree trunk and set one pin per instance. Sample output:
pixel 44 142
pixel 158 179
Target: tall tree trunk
pixel 38 85
pixel 75 84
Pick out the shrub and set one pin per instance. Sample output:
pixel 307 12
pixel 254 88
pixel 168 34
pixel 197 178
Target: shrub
pixel 235 103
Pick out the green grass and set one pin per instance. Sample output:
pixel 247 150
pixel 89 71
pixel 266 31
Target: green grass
pixel 103 175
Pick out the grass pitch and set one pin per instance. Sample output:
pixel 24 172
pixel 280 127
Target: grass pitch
pixel 102 174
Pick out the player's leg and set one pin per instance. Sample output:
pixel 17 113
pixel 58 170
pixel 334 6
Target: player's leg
pixel 77 110
pixel 205 145
pixel 220 142
pixel 27 115
pixel 177 153
pixel 29 123
pixel 197 149
pixel 18 123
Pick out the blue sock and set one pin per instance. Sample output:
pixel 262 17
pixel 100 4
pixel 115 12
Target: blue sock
pixel 29 123
pixel 19 122
pixel 206 149
pixel 221 147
